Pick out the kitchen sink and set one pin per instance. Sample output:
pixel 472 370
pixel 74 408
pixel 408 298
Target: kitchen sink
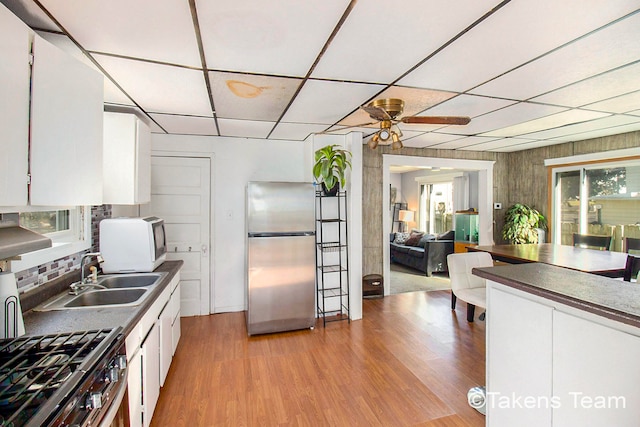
pixel 142 280
pixel 107 297
pixel 112 290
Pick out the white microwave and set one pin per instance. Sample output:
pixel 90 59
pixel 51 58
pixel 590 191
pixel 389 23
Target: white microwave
pixel 132 245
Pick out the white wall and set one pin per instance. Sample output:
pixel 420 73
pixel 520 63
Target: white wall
pixel 235 162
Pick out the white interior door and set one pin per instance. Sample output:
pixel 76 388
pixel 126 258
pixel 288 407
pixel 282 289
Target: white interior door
pixel 181 195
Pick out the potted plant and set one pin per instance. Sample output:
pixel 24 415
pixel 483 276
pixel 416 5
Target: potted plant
pixel 331 163
pixel 521 224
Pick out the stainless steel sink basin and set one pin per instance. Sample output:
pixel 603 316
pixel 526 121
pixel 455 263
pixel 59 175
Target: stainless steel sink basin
pixel 107 297
pixel 113 290
pixel 141 280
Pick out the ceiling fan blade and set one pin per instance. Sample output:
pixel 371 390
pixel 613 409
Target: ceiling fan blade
pixel 376 112
pixel 436 120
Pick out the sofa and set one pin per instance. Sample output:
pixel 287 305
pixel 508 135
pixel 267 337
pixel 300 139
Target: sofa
pixel 426 253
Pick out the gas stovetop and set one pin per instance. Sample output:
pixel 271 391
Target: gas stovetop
pixel 40 375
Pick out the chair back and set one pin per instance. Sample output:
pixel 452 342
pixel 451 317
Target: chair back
pixel 631 269
pixel 592 241
pixel 460 265
pixel 631 245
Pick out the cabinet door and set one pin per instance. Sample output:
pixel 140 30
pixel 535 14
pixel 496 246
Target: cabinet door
pixel 134 388
pixel 14 108
pixel 66 129
pixel 166 351
pixel 519 363
pixel 595 374
pixel 127 159
pixel 150 373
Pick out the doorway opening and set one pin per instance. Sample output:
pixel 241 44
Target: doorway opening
pixel 433 189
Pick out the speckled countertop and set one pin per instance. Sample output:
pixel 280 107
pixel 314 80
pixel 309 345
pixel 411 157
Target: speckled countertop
pixel 50 322
pixel 610 298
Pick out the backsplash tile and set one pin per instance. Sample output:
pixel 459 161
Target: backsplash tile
pixel 41 274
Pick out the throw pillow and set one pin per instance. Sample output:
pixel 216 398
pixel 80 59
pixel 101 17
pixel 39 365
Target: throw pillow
pixel 413 239
pixel 401 238
pixel 426 238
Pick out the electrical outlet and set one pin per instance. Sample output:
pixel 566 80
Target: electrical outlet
pixel 497 206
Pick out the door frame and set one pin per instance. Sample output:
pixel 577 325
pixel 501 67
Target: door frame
pixel 212 254
pixel 485 197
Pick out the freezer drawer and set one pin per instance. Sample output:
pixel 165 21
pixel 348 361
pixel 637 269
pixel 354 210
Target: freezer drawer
pixel 281 284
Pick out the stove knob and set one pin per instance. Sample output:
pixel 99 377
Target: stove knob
pixel 94 401
pixel 121 361
pixel 112 375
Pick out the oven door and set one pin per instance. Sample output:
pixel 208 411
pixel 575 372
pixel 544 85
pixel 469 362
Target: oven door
pixel 118 413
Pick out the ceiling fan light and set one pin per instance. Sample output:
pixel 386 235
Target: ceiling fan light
pixel 396 144
pixel 384 134
pixel 373 142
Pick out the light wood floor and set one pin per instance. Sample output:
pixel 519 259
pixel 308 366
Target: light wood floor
pixel 409 362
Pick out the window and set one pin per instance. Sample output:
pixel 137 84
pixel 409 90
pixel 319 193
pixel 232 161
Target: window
pixel 600 198
pixel 46 222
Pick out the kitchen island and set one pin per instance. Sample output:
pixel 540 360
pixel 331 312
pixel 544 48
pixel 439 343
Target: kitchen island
pixel 562 347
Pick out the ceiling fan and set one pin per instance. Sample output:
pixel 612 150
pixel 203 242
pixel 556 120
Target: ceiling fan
pixel 386 111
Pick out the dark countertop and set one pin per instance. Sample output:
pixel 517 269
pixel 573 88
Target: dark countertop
pixel 50 322
pixel 609 298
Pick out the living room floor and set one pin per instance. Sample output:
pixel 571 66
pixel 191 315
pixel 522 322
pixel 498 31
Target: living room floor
pixel 406 279
pixel 409 362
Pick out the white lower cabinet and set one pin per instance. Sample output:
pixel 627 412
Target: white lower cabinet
pixel 549 364
pixel 150 347
pixel 150 373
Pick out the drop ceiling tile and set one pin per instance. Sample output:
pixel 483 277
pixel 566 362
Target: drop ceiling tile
pixel 509 116
pixel 566 131
pixel 463 142
pixel 549 122
pixel 428 139
pixel 282 37
pixel 160 88
pixel 511 36
pixel 245 128
pixel 295 131
pixel 613 83
pixel 597 133
pixel 186 125
pixel 139 29
pixel 613 46
pixel 467 105
pixel 619 104
pixel 498 144
pixel 326 102
pixel 634 112
pixel 374 36
pixel 251 97
pixel 31 14
pixel 525 146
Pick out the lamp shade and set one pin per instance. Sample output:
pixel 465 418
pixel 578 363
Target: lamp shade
pixel 405 216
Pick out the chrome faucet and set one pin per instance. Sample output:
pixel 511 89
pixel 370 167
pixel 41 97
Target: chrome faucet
pixel 84 281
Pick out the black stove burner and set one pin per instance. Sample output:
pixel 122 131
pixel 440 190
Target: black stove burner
pixel 41 372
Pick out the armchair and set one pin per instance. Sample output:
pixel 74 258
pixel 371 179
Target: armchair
pixel 466 286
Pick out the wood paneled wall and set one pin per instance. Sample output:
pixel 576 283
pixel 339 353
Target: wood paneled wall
pixel 517 177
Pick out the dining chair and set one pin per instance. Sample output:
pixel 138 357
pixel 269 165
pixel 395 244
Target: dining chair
pixel 592 241
pixel 464 284
pixel 631 244
pixel 631 269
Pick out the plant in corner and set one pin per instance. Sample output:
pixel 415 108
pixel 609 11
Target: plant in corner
pixel 521 223
pixel 331 163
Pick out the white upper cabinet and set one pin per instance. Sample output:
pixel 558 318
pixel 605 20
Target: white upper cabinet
pixel 66 129
pixel 127 159
pixel 14 108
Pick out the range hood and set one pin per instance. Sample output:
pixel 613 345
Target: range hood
pixel 16 240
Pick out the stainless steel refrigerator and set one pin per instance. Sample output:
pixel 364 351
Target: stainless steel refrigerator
pixel 280 256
